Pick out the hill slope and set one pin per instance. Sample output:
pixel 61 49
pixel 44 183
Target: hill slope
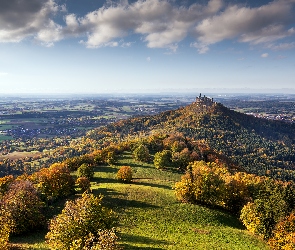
pixel 258 145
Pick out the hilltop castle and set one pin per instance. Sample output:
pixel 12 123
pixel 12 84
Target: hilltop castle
pixel 204 100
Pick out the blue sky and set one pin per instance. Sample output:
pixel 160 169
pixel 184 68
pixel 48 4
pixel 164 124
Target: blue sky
pixel 95 46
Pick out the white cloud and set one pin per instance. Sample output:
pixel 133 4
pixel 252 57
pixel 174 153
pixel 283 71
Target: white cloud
pixel 161 23
pixel 20 19
pixel 252 25
pixel 281 46
pixel 148 59
pixel 3 74
pixel 202 48
pixel 265 55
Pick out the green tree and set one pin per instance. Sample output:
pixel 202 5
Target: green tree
pixel 78 222
pixel 163 159
pixel 111 158
pixel 85 170
pixel 141 153
pixel 267 209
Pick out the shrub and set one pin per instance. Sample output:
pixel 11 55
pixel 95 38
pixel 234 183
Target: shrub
pixel 125 174
pixel 24 207
pixel 83 183
pixel 78 222
pixel 85 170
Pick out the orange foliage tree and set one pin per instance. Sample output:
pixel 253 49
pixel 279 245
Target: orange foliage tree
pixel 125 174
pixel 54 182
pixel 284 234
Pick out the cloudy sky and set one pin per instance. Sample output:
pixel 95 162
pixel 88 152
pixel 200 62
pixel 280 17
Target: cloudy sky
pixel 97 46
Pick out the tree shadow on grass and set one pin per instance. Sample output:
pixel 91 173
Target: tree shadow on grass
pixel 120 202
pixel 133 164
pixel 105 192
pixel 124 203
pixel 30 238
pixel 141 240
pixel 105 169
pixel 148 184
pixel 104 180
pixel 227 219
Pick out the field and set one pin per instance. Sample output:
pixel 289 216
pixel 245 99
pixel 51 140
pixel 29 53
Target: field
pixel 36 117
pixel 19 155
pixel 151 218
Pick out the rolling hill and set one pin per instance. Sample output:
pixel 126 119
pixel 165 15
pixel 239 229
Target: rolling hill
pixel 257 145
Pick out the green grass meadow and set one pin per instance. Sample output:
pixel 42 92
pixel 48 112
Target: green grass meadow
pixel 151 218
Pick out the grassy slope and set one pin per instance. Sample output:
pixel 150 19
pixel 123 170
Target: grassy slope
pixel 151 218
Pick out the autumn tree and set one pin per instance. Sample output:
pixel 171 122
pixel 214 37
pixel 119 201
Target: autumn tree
pixel 81 225
pixel 141 153
pixel 4 183
pixel 6 227
pixel 23 206
pixel 125 174
pixel 163 159
pixel 54 182
pixel 83 183
pixel 85 170
pixel 284 234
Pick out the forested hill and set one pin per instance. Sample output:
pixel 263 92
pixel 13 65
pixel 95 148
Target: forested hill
pixel 258 145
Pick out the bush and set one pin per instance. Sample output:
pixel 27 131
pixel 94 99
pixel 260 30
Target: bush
pixel 85 170
pixel 24 207
pixel 125 174
pixel 80 224
pixel 83 183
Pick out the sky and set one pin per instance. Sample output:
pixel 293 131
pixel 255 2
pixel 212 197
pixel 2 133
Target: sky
pixel 146 46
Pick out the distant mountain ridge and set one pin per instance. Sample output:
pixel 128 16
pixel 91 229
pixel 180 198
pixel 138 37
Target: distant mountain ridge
pixel 258 145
